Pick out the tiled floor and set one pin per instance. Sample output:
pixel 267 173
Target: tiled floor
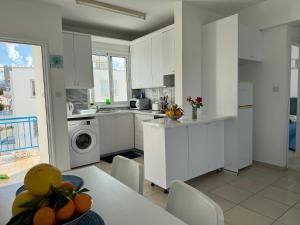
pixel 15 166
pixel 259 195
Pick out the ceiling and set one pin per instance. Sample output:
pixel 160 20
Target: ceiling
pixel 159 14
pixel 225 7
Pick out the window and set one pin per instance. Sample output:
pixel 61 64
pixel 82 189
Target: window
pixel 110 78
pixel 32 88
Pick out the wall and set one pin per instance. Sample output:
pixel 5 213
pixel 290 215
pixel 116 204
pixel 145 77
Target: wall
pixel 154 94
pixel 271 13
pixel 271 106
pixel 23 103
pixel 37 21
pixel 189 19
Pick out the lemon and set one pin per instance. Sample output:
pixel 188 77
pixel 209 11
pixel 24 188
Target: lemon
pixel 40 178
pixel 22 198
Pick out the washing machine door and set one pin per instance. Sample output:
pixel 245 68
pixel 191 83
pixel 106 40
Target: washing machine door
pixel 83 141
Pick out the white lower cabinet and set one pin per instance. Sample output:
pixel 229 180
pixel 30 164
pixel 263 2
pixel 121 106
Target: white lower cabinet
pixel 116 133
pixel 206 148
pixel 138 130
pixel 182 152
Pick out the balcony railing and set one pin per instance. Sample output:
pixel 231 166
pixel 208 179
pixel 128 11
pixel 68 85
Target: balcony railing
pixel 18 133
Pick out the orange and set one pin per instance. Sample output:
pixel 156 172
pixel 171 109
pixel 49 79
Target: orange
pixel 83 203
pixel 67 184
pixel 178 113
pixel 44 216
pixel 66 211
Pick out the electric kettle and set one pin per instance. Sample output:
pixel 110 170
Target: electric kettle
pixel 70 108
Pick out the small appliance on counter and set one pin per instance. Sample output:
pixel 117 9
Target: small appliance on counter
pixel 156 106
pixel 70 108
pixel 140 104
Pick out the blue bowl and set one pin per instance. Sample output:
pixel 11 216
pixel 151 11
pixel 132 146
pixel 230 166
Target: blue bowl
pixel 75 180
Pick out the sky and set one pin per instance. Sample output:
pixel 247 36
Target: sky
pixel 15 55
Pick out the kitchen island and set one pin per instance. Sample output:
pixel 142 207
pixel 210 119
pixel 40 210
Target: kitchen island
pixel 183 149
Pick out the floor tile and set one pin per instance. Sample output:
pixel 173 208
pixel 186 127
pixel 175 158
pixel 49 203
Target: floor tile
pixel 250 185
pixel 297 206
pixel 149 190
pixel 232 194
pixel 223 203
pixel 158 198
pixel 277 223
pixel 280 195
pixel 291 217
pixel 206 183
pixel 262 176
pixel 264 206
pixel 241 216
pixel 225 176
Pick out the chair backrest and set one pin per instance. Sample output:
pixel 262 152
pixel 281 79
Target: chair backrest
pixel 192 206
pixel 129 173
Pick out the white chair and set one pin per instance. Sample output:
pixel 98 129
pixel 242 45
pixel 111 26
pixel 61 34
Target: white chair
pixel 129 173
pixel 192 206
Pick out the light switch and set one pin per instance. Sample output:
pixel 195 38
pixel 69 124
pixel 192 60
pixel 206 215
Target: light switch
pixel 275 88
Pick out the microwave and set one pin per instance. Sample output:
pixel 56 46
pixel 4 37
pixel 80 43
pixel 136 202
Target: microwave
pixel 140 104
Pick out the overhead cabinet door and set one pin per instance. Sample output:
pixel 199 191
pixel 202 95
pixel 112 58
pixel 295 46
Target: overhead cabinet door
pixel 83 61
pixel 77 61
pixel 69 67
pixel 220 66
pixel 141 64
pixel 168 53
pixel 156 60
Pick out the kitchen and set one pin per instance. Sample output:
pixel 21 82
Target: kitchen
pixel 152 70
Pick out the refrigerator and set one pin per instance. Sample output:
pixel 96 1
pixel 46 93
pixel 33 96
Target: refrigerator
pixel 245 124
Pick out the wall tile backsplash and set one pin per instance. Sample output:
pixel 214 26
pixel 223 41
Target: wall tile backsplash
pixel 154 94
pixel 79 98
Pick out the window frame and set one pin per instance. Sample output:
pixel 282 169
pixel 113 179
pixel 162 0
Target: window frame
pixel 110 75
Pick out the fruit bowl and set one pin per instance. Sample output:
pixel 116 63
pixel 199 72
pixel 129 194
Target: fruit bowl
pixel 50 198
pixel 76 220
pixel 174 112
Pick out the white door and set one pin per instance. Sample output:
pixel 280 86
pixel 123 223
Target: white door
pixel 215 145
pixel 245 137
pixel 25 126
pixel 198 156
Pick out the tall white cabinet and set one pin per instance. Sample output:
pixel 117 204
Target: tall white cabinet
pixel 78 69
pixel 152 57
pixel 225 44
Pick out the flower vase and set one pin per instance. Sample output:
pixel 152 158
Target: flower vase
pixel 194 113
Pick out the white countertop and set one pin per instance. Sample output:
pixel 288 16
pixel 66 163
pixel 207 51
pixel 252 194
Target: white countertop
pixel 185 121
pixel 113 201
pixel 116 112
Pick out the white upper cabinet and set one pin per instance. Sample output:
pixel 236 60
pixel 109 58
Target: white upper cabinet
pixel 220 66
pixel 250 44
pixel 141 64
pixel 156 60
pixel 69 68
pixel 78 60
pixel 152 57
pixel 168 57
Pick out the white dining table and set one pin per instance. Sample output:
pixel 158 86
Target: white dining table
pixel 113 201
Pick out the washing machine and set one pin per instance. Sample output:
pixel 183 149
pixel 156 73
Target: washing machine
pixel 84 141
